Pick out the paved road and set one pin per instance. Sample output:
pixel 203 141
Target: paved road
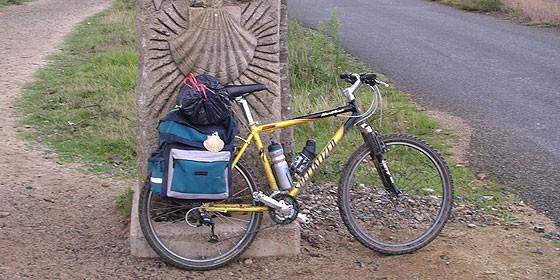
pixel 502 77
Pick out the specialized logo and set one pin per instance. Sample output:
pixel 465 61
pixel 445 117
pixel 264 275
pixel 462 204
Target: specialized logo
pixel 334 112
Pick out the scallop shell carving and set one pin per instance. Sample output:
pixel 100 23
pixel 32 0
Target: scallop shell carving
pixel 157 4
pixel 213 143
pixel 174 48
pixel 215 43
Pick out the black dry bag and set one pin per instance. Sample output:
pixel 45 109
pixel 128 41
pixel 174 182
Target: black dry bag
pixel 203 100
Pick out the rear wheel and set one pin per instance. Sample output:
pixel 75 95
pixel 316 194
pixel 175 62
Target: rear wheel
pixel 186 236
pixel 380 219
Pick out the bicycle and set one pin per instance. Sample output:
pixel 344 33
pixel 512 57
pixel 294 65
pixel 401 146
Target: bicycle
pixel 382 179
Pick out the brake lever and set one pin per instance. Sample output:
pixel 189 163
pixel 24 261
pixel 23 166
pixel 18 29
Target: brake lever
pixel 382 83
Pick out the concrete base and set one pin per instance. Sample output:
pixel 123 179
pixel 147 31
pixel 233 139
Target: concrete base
pixel 271 241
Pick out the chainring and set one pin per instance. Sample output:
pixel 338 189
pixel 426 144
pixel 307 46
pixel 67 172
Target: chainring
pixel 278 217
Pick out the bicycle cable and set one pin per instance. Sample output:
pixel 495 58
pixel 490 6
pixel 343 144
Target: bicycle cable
pixel 379 105
pixel 373 107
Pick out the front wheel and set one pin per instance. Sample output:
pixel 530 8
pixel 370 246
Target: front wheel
pixel 390 223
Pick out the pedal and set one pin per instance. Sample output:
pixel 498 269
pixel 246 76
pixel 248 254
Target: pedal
pixel 302 218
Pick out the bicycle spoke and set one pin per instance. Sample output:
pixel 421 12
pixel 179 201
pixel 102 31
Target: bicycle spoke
pixel 175 211
pixel 197 246
pixel 173 207
pixel 384 220
pixel 235 194
pixel 232 218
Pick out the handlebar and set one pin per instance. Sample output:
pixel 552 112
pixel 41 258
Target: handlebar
pixel 366 78
pixel 356 81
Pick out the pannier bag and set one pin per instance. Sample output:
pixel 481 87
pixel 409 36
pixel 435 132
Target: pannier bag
pixel 203 100
pixel 183 168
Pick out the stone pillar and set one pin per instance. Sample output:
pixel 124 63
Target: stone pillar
pixel 238 41
pixel 287 135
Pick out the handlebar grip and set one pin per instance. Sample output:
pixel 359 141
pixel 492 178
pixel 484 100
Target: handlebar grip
pixel 345 75
pixel 348 77
pixel 369 79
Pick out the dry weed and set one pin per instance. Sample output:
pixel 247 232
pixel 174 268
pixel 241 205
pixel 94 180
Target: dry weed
pixel 539 11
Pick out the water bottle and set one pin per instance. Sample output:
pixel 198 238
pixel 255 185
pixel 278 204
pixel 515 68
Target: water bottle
pixel 280 166
pixel 301 162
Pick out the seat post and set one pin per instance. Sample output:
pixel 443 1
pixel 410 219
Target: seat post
pixel 246 110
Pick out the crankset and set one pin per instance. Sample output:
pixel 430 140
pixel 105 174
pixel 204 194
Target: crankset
pixel 285 208
pixel 284 217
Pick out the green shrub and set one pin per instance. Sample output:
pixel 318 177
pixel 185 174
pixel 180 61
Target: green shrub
pixel 481 5
pixel 12 2
pixel 475 5
pixel 124 202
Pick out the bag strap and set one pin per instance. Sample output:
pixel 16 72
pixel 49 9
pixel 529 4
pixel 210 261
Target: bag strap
pixel 196 85
pixel 171 138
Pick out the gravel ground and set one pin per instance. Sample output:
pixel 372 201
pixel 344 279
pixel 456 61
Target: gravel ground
pixel 57 223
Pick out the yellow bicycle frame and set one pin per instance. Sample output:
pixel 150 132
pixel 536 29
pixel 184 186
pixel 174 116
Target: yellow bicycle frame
pixel 254 135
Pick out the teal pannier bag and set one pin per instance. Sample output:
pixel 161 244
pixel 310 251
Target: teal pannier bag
pixel 182 168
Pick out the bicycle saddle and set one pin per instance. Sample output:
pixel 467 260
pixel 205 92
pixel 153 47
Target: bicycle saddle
pixel 243 90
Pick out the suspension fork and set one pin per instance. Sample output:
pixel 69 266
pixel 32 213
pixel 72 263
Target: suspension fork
pixel 378 156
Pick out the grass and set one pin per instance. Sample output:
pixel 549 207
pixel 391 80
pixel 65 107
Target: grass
pixel 474 5
pixel 12 2
pixel 315 63
pixel 124 202
pixel 82 103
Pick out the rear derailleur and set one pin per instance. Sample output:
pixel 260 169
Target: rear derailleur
pixel 202 219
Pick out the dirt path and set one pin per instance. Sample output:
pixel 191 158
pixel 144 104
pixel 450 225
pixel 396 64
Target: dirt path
pixel 56 223
pixel 56 215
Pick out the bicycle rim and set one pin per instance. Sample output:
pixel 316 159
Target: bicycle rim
pixel 397 224
pixel 181 239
